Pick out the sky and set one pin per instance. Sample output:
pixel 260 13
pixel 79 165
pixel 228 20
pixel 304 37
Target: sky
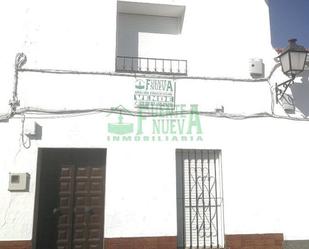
pixel 289 19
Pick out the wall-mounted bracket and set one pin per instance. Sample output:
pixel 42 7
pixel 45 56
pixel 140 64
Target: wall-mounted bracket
pixel 281 88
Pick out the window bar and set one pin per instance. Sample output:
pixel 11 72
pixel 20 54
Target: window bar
pixel 147 64
pixel 171 66
pixel 179 69
pixel 203 194
pixel 163 66
pixel 216 197
pixel 190 201
pixel 155 65
pixel 196 201
pixel 209 201
pixel 131 63
pixel 139 64
pixel 151 69
pixel 124 63
pixel 186 68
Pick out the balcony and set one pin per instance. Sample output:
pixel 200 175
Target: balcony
pixel 148 35
pixel 151 65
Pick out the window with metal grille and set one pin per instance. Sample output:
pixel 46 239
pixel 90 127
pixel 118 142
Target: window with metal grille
pixel 199 199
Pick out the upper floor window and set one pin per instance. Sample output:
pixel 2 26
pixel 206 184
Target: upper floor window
pixel 149 38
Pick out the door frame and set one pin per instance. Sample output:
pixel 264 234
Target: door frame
pixel 40 162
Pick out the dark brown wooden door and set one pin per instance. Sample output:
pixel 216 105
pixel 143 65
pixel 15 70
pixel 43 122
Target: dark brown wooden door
pixel 77 204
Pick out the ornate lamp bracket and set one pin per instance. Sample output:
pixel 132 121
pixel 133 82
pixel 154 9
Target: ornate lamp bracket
pixel 281 88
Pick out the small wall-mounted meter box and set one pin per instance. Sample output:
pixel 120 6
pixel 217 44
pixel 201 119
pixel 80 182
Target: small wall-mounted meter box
pixel 19 181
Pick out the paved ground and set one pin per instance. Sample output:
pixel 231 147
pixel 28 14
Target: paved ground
pixel 296 244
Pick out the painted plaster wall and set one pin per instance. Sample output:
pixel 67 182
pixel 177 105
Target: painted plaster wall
pixel 261 186
pixel 68 35
pixel 264 160
pixel 226 28
pixel 236 97
pixel 217 37
pixel 148 36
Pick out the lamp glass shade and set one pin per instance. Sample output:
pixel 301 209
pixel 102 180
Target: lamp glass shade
pixel 293 59
pixel 298 60
pixel 285 62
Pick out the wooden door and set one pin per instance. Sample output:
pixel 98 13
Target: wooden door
pixel 76 209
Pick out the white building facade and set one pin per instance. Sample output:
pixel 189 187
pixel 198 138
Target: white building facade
pixel 148 124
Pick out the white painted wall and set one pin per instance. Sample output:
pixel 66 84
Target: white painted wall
pixel 55 34
pixel 261 187
pixel 264 159
pixel 148 36
pixel 217 37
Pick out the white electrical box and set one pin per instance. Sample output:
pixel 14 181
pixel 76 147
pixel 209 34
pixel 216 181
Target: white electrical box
pixel 256 68
pixel 31 128
pixel 19 181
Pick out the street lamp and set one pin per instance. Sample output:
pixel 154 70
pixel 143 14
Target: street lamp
pixel 292 61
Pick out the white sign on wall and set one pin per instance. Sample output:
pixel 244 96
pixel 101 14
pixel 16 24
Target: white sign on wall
pixel 150 93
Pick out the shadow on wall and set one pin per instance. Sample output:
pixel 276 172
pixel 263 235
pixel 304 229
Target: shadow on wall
pixel 300 91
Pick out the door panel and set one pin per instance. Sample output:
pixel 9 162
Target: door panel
pixel 76 192
pixel 64 213
pixel 88 207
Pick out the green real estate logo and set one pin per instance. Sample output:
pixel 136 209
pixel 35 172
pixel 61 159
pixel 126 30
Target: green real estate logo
pixel 160 127
pixel 165 121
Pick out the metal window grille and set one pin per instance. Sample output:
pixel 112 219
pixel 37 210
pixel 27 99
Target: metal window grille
pixel 200 201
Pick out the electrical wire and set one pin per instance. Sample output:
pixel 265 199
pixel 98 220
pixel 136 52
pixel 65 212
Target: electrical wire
pixel 140 75
pixel 275 67
pixel 24 143
pixel 4 117
pixel 49 113
pixel 271 90
pixel 43 113
pixel 135 75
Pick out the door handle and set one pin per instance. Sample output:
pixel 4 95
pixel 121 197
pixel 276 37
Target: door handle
pixel 56 211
